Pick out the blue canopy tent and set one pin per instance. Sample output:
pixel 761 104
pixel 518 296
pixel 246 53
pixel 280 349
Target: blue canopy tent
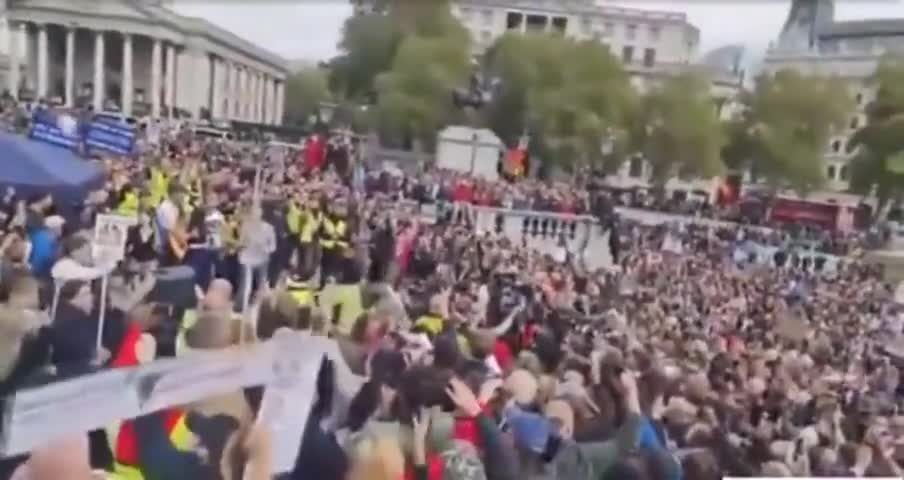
pixel 34 167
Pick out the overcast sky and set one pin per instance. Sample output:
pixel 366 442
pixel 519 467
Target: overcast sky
pixel 310 29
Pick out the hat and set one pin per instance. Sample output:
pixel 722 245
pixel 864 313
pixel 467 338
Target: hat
pixel 531 431
pixel 462 462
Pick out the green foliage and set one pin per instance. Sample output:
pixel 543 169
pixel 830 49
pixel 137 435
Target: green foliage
pixel 414 95
pixel 569 95
pixel 879 159
pixel 305 89
pixel 791 117
pixel 682 134
pixel 369 43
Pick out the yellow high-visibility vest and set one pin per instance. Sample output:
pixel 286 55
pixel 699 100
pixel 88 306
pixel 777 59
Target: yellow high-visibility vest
pixel 129 205
pixel 159 186
pixel 293 219
pixel 310 224
pixel 180 436
pixel 432 324
pixel 334 232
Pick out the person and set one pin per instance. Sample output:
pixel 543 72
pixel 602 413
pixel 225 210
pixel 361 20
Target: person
pixel 170 230
pixel 335 236
pixel 258 240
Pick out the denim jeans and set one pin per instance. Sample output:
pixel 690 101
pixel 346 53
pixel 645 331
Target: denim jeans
pixel 250 279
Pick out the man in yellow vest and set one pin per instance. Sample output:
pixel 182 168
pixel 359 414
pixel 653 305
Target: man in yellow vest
pixel 335 236
pixel 309 226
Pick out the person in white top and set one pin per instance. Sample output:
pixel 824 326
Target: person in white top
pixel 168 217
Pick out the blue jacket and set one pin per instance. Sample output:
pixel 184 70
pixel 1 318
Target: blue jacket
pixel 43 252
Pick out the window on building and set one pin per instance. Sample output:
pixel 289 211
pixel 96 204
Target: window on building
pixel 649 57
pixel 830 172
pixel 855 123
pixel 655 33
pixel 631 31
pixel 513 21
pixel 836 146
pixel 560 25
pixel 627 54
pixel 537 23
pixel 843 173
pixel 487 16
pixel 859 99
pixel 586 24
pixel 466 13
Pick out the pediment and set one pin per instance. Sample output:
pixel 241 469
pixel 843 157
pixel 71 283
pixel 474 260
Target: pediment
pixel 126 9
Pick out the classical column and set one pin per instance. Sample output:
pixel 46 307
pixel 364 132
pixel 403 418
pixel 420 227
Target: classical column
pixel 280 100
pixel 99 81
pixel 243 94
pixel 236 97
pixel 42 61
pixel 265 95
pixel 14 68
pixel 25 50
pixel 256 97
pixel 128 90
pixel 69 86
pixel 156 73
pixel 170 88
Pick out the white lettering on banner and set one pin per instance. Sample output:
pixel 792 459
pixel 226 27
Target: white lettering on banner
pixel 110 235
pixel 199 375
pixel 37 415
pixel 289 396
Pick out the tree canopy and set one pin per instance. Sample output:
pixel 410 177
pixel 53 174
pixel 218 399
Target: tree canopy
pixel 878 162
pixel 786 125
pixel 570 96
pixel 305 90
pixel 682 135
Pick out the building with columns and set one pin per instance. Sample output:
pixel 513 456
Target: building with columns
pixel 137 57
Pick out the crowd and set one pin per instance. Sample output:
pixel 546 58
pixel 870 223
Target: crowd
pixel 478 358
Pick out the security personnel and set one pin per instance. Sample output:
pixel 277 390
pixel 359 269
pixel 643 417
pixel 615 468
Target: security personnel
pixel 128 202
pixel 334 239
pixel 309 225
pixel 137 348
pixel 300 290
pixel 159 184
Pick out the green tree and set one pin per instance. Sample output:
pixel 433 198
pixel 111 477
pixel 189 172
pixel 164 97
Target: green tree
pixel 680 133
pixel 368 45
pixel 878 163
pixel 305 90
pixel 415 94
pixel 791 117
pixel 570 96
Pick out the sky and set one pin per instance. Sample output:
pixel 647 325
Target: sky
pixel 310 29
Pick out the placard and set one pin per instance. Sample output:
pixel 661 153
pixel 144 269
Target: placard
pixel 203 374
pixel 110 235
pixel 111 137
pixel 35 416
pixel 289 396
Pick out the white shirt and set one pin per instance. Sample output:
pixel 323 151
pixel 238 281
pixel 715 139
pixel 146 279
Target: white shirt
pixel 259 241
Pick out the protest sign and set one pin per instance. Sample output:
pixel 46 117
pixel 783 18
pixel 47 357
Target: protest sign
pixel 289 396
pixel 114 137
pixel 35 416
pixel 61 130
pixel 203 374
pixel 110 235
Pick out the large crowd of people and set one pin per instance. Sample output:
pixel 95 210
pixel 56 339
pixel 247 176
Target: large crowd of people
pixel 478 358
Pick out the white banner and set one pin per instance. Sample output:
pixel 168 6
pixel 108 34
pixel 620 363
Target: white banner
pixel 33 416
pixel 289 396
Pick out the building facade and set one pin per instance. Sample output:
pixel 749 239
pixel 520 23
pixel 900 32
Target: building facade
pixel 137 57
pixel 814 43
